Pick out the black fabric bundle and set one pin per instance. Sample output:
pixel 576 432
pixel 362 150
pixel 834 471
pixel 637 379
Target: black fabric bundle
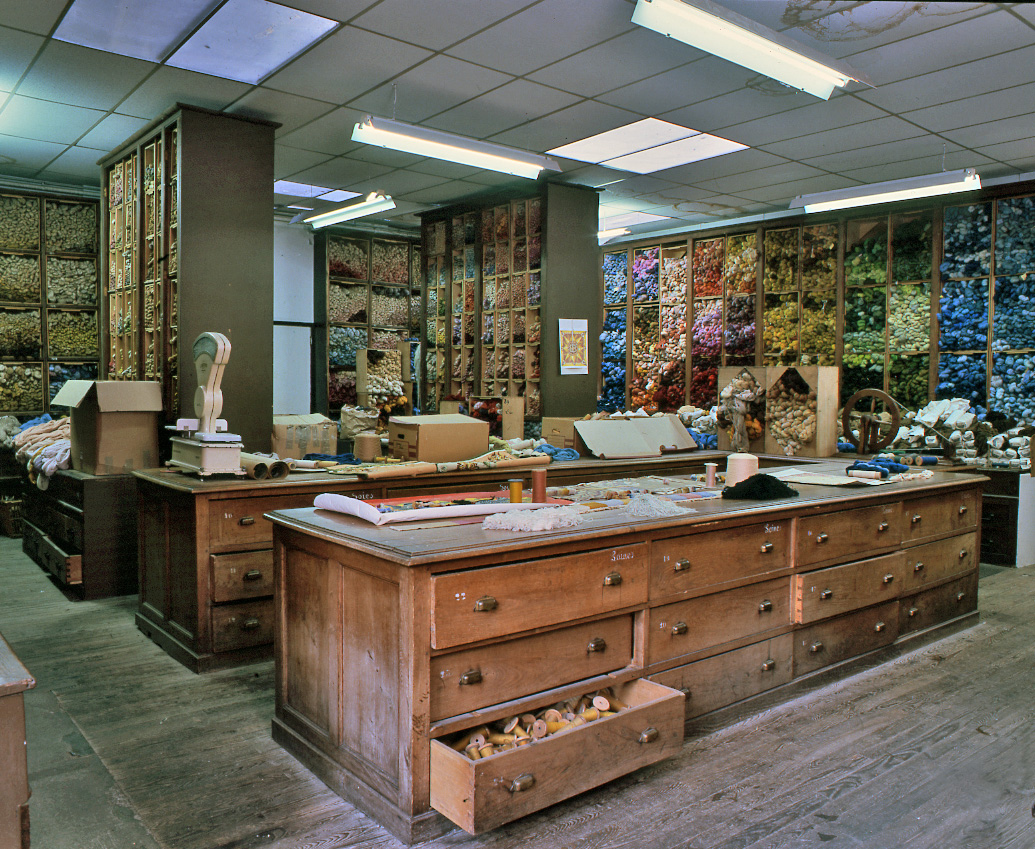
pixel 759 488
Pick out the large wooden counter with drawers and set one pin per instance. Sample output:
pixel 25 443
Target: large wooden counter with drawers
pixel 206 552
pixel 14 776
pixel 389 641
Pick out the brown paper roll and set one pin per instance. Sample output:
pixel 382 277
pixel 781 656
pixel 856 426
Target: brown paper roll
pixel 367 447
pixel 255 467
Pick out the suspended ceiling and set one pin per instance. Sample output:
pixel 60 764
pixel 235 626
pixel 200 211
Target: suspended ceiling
pixel 952 89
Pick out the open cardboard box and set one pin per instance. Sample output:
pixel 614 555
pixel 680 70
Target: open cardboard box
pixel 295 436
pixel 611 439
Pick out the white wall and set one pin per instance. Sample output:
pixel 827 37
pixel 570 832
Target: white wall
pixel 292 302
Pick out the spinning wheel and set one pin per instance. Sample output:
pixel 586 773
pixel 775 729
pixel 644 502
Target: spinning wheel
pixel 874 432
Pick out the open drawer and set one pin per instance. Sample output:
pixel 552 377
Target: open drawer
pixel 479 795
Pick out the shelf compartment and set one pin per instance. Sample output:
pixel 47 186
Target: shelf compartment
pixel 780 261
pixel 819 245
pixel 866 252
pixel 964 376
pixel 963 315
pixel 19 223
pixel 348 258
pixel 21 387
pixel 1013 326
pixel 708 260
pixel 912 247
pixel 740 271
pixel 70 227
pixel 909 317
pixel 21 334
pixel 390 262
pixel 861 371
pixel 739 332
pixel 966 241
pixel 1014 235
pixel 865 320
pixel 71 281
pixel 645 274
pixel 390 306
pixel 909 379
pixel 780 325
pixel 72 334
pixel 616 277
pixel 20 279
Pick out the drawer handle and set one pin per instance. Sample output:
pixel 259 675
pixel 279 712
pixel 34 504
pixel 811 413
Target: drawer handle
pixel 963 509
pixel 918 566
pixel 253 574
pixel 679 629
pixel 612 579
pixel 963 554
pixel 882 527
pixel 826 595
pixel 686 691
pixel 816 648
pixel 888 578
pixel 769 665
pixel 523 782
pixel 250 624
pixel 682 565
pixel 916 518
pixel 765 607
pixel 960 596
pixel 766 547
pixel 485 604
pixel 649 735
pixel 597 644
pixel 913 611
pixel 821 538
pixel 471 676
pixel 880 626
pixel 246 520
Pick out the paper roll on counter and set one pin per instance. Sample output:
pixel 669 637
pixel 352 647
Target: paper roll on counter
pixel 740 467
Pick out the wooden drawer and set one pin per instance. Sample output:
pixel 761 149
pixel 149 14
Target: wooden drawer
pixel 718 681
pixel 711 620
pixel 58 519
pixel 69 487
pixel 839 589
pixel 683 564
pixel 239 521
pixel 66 567
pixel 480 795
pixel 481 604
pixel 844 535
pixel 246 574
pixel 237 626
pixel 848 636
pixel 938 515
pixel 473 678
pixel 933 562
pixel 934 606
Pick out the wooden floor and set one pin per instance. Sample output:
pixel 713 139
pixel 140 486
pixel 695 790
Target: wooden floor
pixel 935 750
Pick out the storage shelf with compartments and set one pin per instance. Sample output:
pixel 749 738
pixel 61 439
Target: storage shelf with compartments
pixel 395 651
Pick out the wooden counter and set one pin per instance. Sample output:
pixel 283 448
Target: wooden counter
pixel 14 781
pixel 206 552
pixel 388 639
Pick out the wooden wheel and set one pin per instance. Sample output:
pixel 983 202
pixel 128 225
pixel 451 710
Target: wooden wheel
pixel 874 432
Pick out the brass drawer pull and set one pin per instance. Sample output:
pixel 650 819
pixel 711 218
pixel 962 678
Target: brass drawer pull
pixel 963 509
pixel 485 604
pixel 963 554
pixel 765 607
pixel 244 521
pixel 250 624
pixel 686 691
pixel 679 628
pixel 649 735
pixel 769 665
pixel 821 538
pixel 682 565
pixel 826 595
pixel 816 648
pixel 766 547
pixel 882 527
pixel 471 676
pixel 913 611
pixel 918 566
pixel 880 626
pixel 612 579
pixel 525 781
pixel 960 596
pixel 253 574
pixel 916 518
pixel 888 578
pixel 597 644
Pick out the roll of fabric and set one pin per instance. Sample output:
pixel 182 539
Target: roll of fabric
pixel 740 467
pixel 367 446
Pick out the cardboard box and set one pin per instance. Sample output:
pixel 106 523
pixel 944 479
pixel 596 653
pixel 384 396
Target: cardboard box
pixel 298 435
pixel 437 439
pixel 560 432
pixel 635 437
pixel 511 421
pixel 114 424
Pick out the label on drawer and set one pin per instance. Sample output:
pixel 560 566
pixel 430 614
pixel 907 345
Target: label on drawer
pixel 480 604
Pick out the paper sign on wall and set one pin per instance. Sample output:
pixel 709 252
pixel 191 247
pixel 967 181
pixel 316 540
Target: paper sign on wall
pixel 574 341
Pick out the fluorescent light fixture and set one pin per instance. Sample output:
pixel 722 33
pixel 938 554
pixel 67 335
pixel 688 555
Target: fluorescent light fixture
pixel 246 40
pixel 438 145
pixel 716 30
pixel 371 204
pixel 338 195
pixel 646 146
pixel 289 187
pixel 299 206
pixel 607 235
pixel 945 183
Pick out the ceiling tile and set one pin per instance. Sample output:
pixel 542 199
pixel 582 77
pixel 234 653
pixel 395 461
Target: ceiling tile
pixel 501 109
pixel 1016 152
pixel 845 138
pixel 441 168
pixel 67 73
pixel 291 111
pixel 38 16
pixel 397 182
pixel 77 162
pixel 41 119
pixel 780 15
pixel 112 131
pixel 16 52
pixel 345 65
pixel 784 193
pixel 775 175
pixel 26 154
pixel 717 113
pixel 168 86
pixel 436 25
pixel 443 193
pixel 289 160
pixel 331 133
pixel 919 167
pixel 567 125
pixel 1001 130
pixel 336 10
pixel 985 108
pixel 724 166
pixel 384 156
pixel 432 87
pixel 547 32
pixel 631 57
pixel 340 173
pixel 804 121
pixel 678 87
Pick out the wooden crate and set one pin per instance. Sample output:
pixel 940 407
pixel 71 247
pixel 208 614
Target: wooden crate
pixel 821 380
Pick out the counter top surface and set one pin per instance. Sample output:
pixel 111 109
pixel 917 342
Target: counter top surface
pixel 428 544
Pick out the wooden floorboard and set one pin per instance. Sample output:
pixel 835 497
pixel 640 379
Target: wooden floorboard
pixel 934 750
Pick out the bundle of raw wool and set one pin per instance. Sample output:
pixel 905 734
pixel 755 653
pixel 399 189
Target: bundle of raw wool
pixel 32 439
pixel 10 427
pixel 47 459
